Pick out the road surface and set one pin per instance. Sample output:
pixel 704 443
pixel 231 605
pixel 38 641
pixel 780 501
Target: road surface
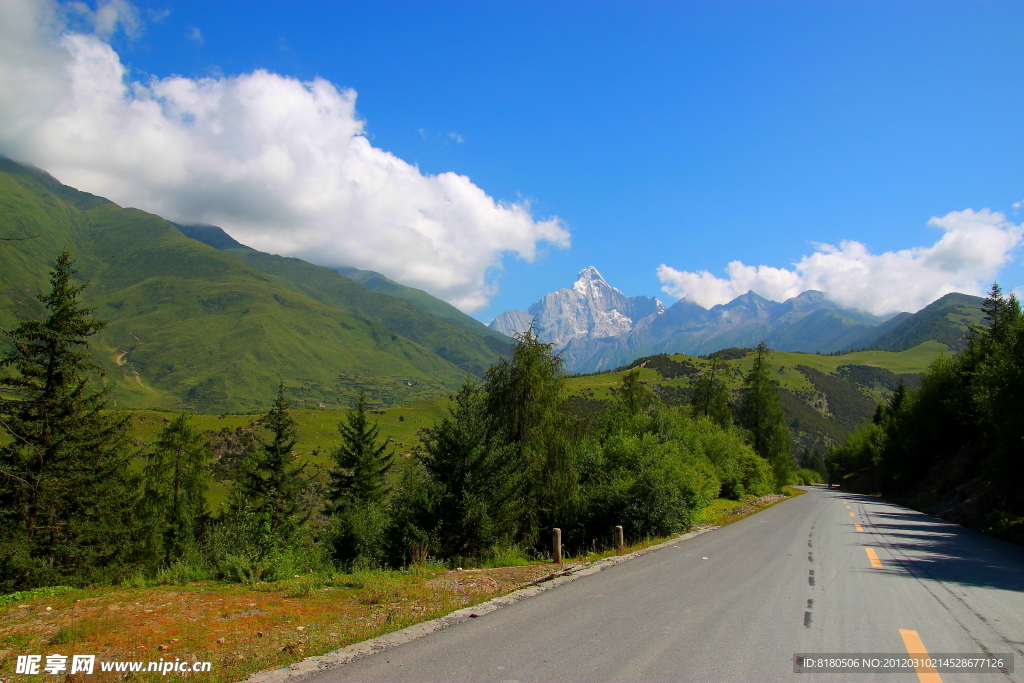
pixel 825 572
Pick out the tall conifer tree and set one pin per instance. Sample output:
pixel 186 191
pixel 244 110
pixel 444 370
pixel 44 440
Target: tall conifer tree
pixel 472 482
pixel 363 461
pixel 710 396
pixel 524 400
pixel 176 479
pixel 761 414
pixel 270 480
pixel 66 491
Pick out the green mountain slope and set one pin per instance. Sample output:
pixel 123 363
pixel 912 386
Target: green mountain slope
pixel 945 320
pixel 193 326
pixel 824 397
pixel 421 300
pixel 473 350
pixel 823 330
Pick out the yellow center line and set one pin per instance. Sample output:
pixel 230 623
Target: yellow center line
pixel 847 507
pixel 852 515
pixel 858 527
pixel 875 562
pixel 915 648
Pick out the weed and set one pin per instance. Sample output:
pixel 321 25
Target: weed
pixel 508 556
pixel 65 635
pixel 377 589
pixel 21 596
pixel 192 567
pixel 303 586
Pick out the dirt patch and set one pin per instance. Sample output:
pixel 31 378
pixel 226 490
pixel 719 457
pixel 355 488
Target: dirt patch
pixel 240 629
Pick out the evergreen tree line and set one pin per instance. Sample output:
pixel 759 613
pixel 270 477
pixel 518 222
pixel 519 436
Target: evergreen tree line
pixel 965 417
pixel 507 462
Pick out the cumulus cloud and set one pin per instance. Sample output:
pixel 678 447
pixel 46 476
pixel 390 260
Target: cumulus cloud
pixel 973 246
pixel 282 165
pixel 108 17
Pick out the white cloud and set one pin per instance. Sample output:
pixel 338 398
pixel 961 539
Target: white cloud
pixel 973 247
pixel 194 35
pixel 1019 204
pixel 282 165
pixel 455 137
pixel 106 19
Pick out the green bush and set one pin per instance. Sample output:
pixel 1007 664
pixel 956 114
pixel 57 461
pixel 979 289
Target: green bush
pixel 806 477
pixel 192 566
pixel 360 537
pixel 507 556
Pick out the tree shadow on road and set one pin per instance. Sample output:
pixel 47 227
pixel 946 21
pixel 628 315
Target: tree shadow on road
pixel 927 547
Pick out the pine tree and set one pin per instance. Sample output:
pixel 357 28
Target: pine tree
pixel 994 312
pixel 66 491
pixel 176 477
pixel 710 396
pixel 524 400
pixel 472 482
pixel 632 396
pixel 363 461
pixel 358 490
pixel 270 480
pixel 761 414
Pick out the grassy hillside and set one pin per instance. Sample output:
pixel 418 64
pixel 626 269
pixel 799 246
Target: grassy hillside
pixel 318 435
pixel 825 397
pixel 945 320
pixel 473 350
pixel 318 429
pixel 192 326
pixel 420 300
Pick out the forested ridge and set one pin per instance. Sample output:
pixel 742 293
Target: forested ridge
pixel 954 446
pixel 508 461
pixel 824 397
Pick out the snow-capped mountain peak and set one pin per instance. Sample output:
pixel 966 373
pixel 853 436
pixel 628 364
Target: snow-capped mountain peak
pixel 591 308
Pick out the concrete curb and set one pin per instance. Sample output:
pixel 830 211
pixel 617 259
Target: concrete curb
pixel 336 658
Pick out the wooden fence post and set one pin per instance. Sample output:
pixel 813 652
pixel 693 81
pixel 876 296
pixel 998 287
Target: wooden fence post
pixel 620 543
pixel 556 545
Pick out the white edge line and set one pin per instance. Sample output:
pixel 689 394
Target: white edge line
pixel 350 653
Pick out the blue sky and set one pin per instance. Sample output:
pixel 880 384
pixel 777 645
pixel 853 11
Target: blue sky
pixel 690 134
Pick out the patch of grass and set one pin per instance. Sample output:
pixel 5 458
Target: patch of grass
pixel 718 508
pixel 318 429
pixel 241 629
pixel 64 636
pixel 22 596
pixel 916 359
pixel 512 556
pixel 723 512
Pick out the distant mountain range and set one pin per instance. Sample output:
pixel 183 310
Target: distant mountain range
pixel 200 321
pixel 596 327
pixel 590 309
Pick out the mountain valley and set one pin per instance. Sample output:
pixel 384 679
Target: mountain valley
pixel 198 320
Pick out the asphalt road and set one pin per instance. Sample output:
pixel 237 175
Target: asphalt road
pixel 735 604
